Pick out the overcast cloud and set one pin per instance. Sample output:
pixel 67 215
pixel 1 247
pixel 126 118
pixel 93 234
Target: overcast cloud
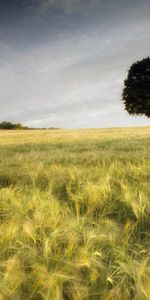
pixel 63 62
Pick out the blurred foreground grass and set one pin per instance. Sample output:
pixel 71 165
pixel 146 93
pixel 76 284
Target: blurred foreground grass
pixel 75 214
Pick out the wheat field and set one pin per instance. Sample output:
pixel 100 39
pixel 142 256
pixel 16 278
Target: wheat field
pixel 75 214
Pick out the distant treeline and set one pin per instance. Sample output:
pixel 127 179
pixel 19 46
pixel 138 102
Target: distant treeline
pixel 9 125
pixel 18 126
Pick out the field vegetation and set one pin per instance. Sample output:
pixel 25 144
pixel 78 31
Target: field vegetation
pixel 75 214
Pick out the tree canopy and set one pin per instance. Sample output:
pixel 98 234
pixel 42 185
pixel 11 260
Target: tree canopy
pixel 136 92
pixel 9 125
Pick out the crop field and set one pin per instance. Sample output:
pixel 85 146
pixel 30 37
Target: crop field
pixel 75 214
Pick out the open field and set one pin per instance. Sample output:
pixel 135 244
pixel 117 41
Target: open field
pixel 75 214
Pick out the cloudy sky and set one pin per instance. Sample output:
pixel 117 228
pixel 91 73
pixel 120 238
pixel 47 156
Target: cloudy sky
pixel 63 62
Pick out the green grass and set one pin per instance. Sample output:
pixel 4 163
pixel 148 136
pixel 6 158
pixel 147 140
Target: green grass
pixel 75 214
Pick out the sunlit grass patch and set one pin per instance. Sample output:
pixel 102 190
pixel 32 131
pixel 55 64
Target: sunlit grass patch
pixel 75 215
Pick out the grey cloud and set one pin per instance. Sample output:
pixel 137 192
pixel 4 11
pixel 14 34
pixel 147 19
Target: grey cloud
pixel 67 6
pixel 74 78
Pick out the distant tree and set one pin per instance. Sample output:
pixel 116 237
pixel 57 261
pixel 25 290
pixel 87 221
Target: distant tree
pixel 136 92
pixel 6 125
pixel 18 126
pixel 9 125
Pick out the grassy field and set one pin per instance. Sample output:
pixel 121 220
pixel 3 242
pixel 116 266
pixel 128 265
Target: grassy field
pixel 75 214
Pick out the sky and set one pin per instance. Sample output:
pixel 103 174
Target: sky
pixel 63 62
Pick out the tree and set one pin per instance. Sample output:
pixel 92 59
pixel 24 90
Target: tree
pixel 136 92
pixel 10 126
pixel 6 125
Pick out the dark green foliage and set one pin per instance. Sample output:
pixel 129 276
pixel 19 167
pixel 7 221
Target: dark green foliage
pixel 9 125
pixel 136 92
